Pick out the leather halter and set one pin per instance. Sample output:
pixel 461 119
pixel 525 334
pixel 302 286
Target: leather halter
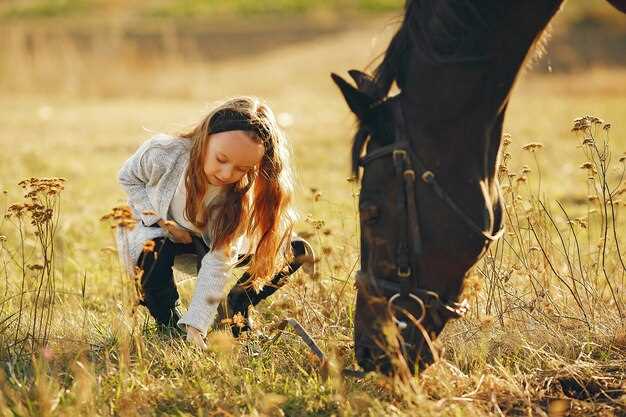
pixel 409 167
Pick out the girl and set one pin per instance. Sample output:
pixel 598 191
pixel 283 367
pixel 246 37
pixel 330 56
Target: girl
pixel 225 182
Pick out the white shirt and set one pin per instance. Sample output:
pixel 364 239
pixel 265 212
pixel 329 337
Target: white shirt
pixel 177 206
pixel 216 265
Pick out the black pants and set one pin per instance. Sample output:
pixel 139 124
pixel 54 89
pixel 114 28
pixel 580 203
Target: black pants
pixel 159 288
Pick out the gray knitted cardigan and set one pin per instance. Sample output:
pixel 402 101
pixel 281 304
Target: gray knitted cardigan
pixel 150 178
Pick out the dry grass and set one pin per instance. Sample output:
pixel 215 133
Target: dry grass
pixel 530 346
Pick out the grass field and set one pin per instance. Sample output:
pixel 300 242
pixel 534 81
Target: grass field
pixel 519 353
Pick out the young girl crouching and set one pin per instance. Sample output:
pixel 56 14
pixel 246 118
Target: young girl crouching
pixel 209 192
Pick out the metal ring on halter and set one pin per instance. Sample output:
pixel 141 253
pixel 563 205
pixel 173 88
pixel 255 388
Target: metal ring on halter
pixel 402 324
pixel 399 153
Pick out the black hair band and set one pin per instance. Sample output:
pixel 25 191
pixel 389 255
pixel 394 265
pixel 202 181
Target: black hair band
pixel 240 124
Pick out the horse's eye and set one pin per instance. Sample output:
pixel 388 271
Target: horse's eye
pixel 368 213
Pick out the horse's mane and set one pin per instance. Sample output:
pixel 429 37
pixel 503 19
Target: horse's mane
pixel 438 32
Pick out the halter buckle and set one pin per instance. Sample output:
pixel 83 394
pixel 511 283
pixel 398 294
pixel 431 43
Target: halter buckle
pixel 404 273
pixel 428 177
pixel 409 173
pixel 399 153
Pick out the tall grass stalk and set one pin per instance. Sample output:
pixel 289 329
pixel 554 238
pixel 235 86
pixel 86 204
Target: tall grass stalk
pixel 28 251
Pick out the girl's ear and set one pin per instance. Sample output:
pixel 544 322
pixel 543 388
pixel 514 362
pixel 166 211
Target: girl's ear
pixel 358 101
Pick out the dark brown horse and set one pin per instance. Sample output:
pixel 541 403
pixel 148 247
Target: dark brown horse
pixel 430 203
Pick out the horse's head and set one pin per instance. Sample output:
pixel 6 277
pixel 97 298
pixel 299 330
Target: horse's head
pixel 408 285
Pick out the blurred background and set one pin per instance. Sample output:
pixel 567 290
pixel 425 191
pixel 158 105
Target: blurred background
pixel 120 48
pixel 84 82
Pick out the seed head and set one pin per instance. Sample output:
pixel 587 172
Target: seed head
pixel 532 147
pixel 239 320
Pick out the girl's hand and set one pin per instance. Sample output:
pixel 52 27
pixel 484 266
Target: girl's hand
pixel 178 234
pixel 195 338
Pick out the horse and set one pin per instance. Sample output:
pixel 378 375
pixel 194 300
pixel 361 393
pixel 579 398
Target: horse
pixel 430 202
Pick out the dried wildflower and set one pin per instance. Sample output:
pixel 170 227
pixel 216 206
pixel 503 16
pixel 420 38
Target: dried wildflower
pixel 503 170
pixel 486 322
pixel 586 165
pixel 588 141
pixel 532 147
pixel 525 170
pixel 120 216
pixel 327 232
pixel 596 120
pixel 593 198
pixel 582 124
pixel 606 127
pixel 352 178
pixel 317 224
pixel 35 267
pixel 506 139
pixel 521 180
pixel 317 196
pixel 3 238
pixel 471 286
pixel 327 250
pixel 622 158
pixel 239 320
pixel 148 247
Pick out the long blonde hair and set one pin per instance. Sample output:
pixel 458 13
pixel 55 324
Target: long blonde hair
pixel 268 215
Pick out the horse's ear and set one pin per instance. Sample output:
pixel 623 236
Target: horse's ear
pixel 365 83
pixel 358 101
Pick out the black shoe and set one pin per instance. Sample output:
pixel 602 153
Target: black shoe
pixel 171 327
pixel 233 314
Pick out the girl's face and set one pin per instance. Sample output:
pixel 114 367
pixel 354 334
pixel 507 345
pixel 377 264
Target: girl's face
pixel 231 155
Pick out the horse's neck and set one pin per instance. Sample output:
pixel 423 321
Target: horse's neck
pixel 460 106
